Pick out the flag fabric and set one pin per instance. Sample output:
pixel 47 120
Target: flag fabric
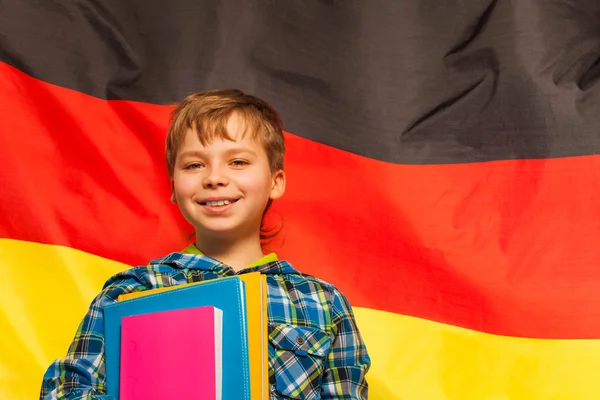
pixel 442 162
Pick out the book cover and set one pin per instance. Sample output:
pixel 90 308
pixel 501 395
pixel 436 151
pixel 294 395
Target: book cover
pixel 172 355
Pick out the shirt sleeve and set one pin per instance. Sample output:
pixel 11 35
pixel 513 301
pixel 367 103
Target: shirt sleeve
pixel 81 374
pixel 348 361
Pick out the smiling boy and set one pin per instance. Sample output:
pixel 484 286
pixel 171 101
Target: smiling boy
pixel 225 153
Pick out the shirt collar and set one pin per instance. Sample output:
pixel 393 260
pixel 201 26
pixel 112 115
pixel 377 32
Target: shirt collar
pixel 191 257
pixel 268 258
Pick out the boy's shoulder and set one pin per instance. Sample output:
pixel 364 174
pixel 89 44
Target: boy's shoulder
pixel 314 286
pixel 314 282
pixel 164 271
pixel 172 263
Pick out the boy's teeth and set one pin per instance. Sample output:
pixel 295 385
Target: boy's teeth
pixel 217 203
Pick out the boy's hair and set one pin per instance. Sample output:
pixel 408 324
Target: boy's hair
pixel 207 114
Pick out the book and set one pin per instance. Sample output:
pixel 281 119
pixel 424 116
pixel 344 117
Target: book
pixel 258 334
pixel 172 354
pixel 256 305
pixel 226 294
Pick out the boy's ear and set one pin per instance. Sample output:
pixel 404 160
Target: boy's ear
pixel 278 188
pixel 173 199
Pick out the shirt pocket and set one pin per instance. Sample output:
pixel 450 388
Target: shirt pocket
pixel 297 361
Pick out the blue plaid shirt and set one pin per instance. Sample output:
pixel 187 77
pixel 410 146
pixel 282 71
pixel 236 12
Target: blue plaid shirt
pixel 331 364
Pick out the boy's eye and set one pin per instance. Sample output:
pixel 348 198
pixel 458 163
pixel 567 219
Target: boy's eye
pixel 239 163
pixel 193 166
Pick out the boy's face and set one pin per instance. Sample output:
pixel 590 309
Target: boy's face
pixel 223 188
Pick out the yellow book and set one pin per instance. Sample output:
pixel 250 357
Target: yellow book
pixel 256 309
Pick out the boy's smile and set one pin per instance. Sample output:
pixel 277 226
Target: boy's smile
pixel 218 205
pixel 224 187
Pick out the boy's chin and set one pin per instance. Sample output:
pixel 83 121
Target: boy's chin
pixel 223 232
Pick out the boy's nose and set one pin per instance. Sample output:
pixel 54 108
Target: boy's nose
pixel 215 178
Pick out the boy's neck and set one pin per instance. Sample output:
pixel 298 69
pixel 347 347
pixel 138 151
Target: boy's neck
pixel 238 255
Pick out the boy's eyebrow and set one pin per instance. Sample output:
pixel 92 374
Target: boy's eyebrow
pixel 190 153
pixel 238 150
pixel 199 153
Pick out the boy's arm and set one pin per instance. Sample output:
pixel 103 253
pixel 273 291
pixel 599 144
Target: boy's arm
pixel 81 374
pixel 348 362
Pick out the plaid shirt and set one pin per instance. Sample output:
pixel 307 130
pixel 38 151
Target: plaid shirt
pixel 330 363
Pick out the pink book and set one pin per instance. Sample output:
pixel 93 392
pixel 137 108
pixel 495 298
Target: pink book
pixel 172 355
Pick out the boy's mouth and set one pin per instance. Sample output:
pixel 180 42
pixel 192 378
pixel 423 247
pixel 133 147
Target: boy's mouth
pixel 218 203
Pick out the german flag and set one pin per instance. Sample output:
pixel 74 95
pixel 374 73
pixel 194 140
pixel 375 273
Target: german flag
pixel 442 161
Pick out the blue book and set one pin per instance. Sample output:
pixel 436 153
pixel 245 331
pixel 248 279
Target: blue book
pixel 226 294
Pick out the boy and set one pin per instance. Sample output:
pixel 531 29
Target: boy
pixel 225 160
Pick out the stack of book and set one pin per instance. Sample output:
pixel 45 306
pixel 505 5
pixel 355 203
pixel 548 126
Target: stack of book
pixel 205 340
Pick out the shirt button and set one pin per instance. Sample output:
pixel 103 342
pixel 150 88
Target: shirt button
pixel 300 340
